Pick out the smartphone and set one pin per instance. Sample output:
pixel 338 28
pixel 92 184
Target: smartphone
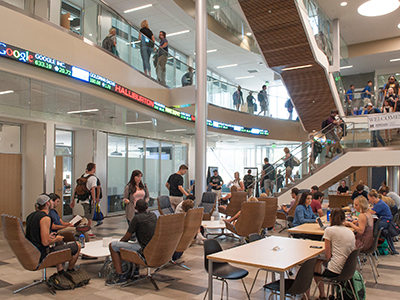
pixel 316 247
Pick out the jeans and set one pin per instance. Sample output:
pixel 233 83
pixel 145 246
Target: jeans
pixel 146 52
pixel 376 135
pixel 161 70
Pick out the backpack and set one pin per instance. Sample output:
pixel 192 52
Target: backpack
pixel 260 97
pixel 69 281
pixel 317 147
pixel 236 96
pixel 99 186
pixel 357 282
pixel 383 248
pixel 79 278
pixel 296 161
pixel 108 270
pixel 271 172
pixel 81 191
pixel 108 43
pixel 393 229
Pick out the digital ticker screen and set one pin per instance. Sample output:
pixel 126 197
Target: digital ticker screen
pixel 51 64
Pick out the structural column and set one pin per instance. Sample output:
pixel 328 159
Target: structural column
pixel 201 98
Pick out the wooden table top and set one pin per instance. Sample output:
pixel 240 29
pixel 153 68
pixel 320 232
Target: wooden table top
pixel 261 254
pixel 307 228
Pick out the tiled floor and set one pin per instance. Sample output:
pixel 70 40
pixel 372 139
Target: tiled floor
pixel 187 284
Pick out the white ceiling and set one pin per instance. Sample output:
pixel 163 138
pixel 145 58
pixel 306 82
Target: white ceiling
pixel 167 16
pixel 356 28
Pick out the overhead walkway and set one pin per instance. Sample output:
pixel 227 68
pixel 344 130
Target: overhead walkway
pixel 344 165
pixel 286 40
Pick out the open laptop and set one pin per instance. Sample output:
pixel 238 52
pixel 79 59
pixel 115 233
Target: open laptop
pixel 321 224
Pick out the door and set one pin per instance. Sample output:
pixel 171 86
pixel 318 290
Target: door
pixel 58 185
pixel 10 184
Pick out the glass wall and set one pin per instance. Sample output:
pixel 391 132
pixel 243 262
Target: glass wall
pixel 157 160
pixel 64 147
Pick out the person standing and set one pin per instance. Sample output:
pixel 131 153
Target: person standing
pixel 216 183
pixel 349 100
pixel 162 57
pixel 175 187
pixel 343 189
pixel 331 123
pixel 187 78
pixel 238 98
pixel 250 103
pixel 392 83
pixel 268 175
pixel 375 134
pixel 263 99
pixel 110 42
pixel 289 164
pixel 289 106
pixel 147 40
pixel 386 108
pixel 237 182
pixel 366 92
pixel 86 193
pixel 248 180
pixel 134 191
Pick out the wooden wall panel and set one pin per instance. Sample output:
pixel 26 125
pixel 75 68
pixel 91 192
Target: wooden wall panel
pixel 279 31
pixel 10 184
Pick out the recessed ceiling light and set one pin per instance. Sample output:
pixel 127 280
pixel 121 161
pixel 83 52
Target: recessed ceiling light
pixel 398 26
pixel 175 130
pixel 176 33
pixel 374 8
pixel 244 77
pixel 6 92
pixel 83 111
pixel 227 66
pixel 346 67
pixel 138 8
pixel 137 122
pixel 295 68
pixel 90 34
pixel 394 59
pixel 248 33
pixel 343 4
pixel 216 6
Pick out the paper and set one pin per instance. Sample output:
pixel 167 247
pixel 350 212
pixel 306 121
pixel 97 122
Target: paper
pixel 75 220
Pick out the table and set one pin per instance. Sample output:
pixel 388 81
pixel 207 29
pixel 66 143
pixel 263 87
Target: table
pixel 311 228
pixel 215 225
pixel 260 254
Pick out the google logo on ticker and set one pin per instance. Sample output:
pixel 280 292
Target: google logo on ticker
pixel 23 56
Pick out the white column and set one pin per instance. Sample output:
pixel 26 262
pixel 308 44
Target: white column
pixel 201 97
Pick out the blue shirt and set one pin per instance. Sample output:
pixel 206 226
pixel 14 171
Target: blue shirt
pixel 53 214
pixel 303 215
pixel 350 94
pixel 382 210
pixel 367 88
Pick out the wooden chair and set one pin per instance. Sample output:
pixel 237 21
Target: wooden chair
pixel 235 204
pixel 289 217
pixel 27 254
pixel 208 201
pixel 250 220
pixel 164 205
pixel 271 207
pixel 161 247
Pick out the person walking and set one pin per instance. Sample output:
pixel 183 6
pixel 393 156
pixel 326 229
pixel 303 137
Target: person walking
pixel 134 191
pixel 147 40
pixel 238 98
pixel 250 103
pixel 349 100
pixel 187 78
pixel 162 57
pixel 263 99
pixel 216 183
pixel 175 187
pixel 289 164
pixel 289 106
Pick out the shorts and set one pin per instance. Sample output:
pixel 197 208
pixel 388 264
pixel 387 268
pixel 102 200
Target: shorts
pixel 71 245
pixel 263 105
pixel 88 210
pixel 117 246
pixel 329 274
pixel 332 136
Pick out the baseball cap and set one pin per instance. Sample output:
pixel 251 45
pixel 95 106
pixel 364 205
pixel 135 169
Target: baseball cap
pixel 42 199
pixel 369 104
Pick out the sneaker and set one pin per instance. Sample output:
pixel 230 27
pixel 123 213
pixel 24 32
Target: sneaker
pixel 117 280
pixel 91 235
pixel 99 223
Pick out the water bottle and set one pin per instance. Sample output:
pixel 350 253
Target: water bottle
pixel 328 214
pixel 82 240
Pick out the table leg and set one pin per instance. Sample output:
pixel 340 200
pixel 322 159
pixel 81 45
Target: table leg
pixel 282 285
pixel 210 279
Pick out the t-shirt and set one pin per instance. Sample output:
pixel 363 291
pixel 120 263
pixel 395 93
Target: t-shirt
pixel 383 210
pixel 350 94
pixel 394 197
pixel 315 205
pixel 367 88
pixel 394 85
pixel 175 180
pixel 147 34
pixel 248 180
pixel 144 225
pixel 160 50
pixel 268 170
pixel 250 100
pixel 55 218
pixel 216 180
pixel 33 231
pixel 343 243
pixel 356 194
pixel 343 189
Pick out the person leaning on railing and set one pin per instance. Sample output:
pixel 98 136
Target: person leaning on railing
pixel 147 40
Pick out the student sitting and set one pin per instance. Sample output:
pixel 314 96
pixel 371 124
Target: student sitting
pixel 304 213
pixel 224 200
pixel 235 217
pixel 318 197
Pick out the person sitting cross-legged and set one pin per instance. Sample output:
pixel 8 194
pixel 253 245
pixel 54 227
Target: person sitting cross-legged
pixel 144 225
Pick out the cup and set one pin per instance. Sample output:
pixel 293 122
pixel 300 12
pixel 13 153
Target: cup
pixel 107 241
pixel 212 218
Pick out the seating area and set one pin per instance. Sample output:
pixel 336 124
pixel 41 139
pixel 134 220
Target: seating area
pixel 189 282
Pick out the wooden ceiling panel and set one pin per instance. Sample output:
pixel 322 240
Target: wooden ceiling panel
pixel 278 29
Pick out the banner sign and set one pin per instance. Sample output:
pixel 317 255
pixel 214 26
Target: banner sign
pixel 60 67
pixel 383 121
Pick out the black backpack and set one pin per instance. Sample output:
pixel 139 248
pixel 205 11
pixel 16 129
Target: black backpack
pixel 317 147
pixel 324 127
pixel 108 43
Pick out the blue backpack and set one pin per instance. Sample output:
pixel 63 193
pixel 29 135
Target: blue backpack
pixel 260 97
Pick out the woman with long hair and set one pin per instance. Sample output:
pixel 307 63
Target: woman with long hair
pixel 134 191
pixel 237 182
pixel 303 213
pixel 289 165
pixel 146 39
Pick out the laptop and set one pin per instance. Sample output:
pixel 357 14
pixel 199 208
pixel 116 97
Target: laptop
pixel 321 224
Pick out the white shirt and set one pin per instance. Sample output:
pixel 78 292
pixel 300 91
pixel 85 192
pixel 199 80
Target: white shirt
pixel 342 244
pixel 394 197
pixel 178 208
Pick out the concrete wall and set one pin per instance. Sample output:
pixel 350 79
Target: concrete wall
pixel 359 80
